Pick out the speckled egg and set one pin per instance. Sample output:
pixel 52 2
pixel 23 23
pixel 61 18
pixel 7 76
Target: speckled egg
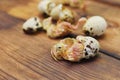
pixel 91 46
pixel 32 25
pixel 95 26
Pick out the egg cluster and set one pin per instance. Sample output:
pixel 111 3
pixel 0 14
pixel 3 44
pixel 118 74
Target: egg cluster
pixel 93 26
pixel 60 23
pixel 53 30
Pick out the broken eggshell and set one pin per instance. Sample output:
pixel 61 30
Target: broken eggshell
pixel 66 15
pixel 45 6
pixel 32 25
pixel 62 13
pixel 60 28
pixel 56 11
pixel 72 3
pixel 91 46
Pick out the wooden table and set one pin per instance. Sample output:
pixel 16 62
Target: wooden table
pixel 27 57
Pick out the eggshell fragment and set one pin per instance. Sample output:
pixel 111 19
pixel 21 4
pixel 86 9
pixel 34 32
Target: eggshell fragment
pixel 45 6
pixel 32 25
pixel 91 46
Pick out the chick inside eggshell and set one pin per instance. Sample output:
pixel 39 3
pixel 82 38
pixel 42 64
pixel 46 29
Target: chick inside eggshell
pixel 74 53
pixel 45 6
pixel 66 15
pixel 57 51
pixel 75 49
pixel 70 50
pixel 55 30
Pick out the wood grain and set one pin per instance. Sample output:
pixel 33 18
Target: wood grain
pixel 27 9
pixel 27 57
pixel 111 40
pixel 21 9
pixel 5 76
pixel 110 2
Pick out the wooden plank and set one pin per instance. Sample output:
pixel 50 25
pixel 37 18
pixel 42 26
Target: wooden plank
pixel 5 76
pixel 9 68
pixel 21 9
pixel 28 9
pixel 9 23
pixel 110 2
pixel 17 70
pixel 109 41
pixel 28 57
pixel 44 65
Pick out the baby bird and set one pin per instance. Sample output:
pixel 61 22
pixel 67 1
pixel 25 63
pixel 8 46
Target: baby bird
pixel 75 50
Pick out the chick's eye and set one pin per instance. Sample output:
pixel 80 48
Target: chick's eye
pixel 59 47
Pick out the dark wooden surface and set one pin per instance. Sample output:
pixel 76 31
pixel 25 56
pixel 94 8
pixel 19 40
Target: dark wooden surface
pixel 111 40
pixel 27 57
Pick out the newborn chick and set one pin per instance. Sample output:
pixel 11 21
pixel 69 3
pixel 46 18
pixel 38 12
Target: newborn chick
pixel 75 49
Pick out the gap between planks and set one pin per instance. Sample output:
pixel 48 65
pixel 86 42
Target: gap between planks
pixel 114 55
